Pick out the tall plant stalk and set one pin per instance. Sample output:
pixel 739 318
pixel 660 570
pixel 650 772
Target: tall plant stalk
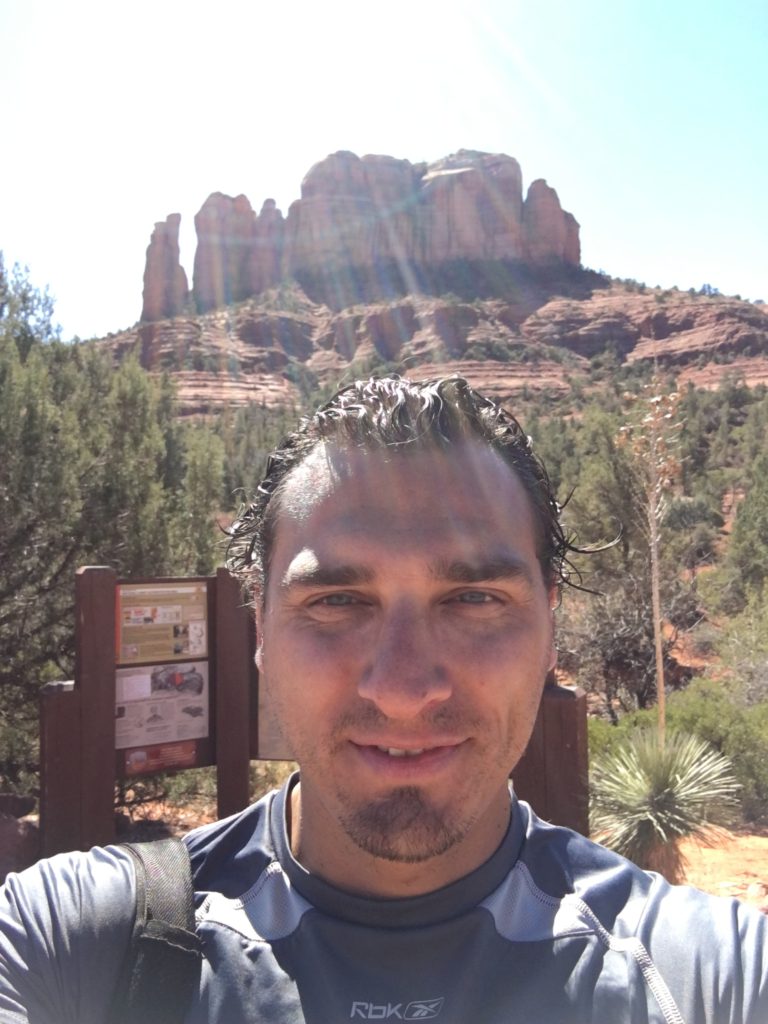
pixel 651 439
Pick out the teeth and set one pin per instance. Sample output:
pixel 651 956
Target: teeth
pixel 397 752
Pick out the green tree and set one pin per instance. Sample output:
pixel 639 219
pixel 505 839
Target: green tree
pixel 42 466
pixel 710 709
pixel 602 506
pixel 130 506
pixel 747 556
pixel 743 651
pixel 199 541
pixel 91 469
pixel 606 639
pixel 26 312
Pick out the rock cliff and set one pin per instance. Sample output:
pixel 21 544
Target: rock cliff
pixel 165 283
pixel 225 230
pixel 365 228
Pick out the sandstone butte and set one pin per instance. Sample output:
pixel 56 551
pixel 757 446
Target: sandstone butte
pixel 373 213
pixel 430 268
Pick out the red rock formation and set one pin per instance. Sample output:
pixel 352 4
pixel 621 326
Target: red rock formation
pixel 542 341
pixel 342 335
pixel 551 235
pixel 292 334
pixel 452 324
pixel 472 207
pixel 572 252
pixel 334 222
pixel 360 212
pixel 165 283
pixel 391 327
pixel 266 257
pixel 225 240
pixel 392 187
pixel 374 227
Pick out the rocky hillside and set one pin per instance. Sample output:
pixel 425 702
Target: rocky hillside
pixel 261 349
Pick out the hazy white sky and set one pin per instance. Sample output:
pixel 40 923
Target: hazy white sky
pixel 648 118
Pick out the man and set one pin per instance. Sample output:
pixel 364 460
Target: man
pixel 405 556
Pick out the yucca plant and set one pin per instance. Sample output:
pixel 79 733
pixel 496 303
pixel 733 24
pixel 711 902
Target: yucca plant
pixel 648 795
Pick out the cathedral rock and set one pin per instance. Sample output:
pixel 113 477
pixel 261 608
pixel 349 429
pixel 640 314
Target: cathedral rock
pixel 371 224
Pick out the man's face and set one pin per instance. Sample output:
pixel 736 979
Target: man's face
pixel 405 635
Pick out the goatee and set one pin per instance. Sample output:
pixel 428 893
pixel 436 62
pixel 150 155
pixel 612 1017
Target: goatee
pixel 401 826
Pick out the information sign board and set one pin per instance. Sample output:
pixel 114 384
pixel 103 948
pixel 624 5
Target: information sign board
pixel 161 704
pixel 161 622
pixel 161 758
pixel 162 682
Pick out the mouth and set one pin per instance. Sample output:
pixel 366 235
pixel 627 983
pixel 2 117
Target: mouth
pixel 401 752
pixel 383 758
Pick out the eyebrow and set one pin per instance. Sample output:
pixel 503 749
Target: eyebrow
pixel 327 576
pixel 457 571
pixel 488 570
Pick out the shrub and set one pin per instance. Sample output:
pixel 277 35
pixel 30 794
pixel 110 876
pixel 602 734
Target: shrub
pixel 709 709
pixel 646 797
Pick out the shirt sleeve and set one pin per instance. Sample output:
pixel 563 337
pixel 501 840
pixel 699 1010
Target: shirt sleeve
pixel 713 952
pixel 65 929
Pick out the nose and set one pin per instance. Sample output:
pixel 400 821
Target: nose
pixel 404 673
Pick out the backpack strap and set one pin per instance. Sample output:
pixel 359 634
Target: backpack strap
pixel 163 966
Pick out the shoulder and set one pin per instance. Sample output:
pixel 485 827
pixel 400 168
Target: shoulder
pixel 65 928
pixel 619 893
pixel 61 889
pixel 708 951
pixel 227 855
pixel 562 862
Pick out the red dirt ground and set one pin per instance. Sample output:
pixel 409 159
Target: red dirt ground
pixel 737 865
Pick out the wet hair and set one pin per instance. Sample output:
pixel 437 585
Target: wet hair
pixel 398 414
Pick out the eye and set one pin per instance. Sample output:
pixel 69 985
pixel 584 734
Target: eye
pixel 337 607
pixel 339 600
pixel 475 597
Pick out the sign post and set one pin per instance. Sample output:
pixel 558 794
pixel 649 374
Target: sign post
pixel 94 678
pixel 164 675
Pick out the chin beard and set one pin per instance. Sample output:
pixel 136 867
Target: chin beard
pixel 401 827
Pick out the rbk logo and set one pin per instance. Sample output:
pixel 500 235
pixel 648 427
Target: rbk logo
pixel 423 1009
pixel 420 1009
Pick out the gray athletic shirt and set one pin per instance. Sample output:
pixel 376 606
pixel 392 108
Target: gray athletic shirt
pixel 552 929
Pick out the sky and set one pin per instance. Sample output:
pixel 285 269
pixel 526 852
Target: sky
pixel 649 119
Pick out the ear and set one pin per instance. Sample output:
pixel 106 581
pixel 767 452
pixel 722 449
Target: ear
pixel 552 656
pixel 554 603
pixel 258 614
